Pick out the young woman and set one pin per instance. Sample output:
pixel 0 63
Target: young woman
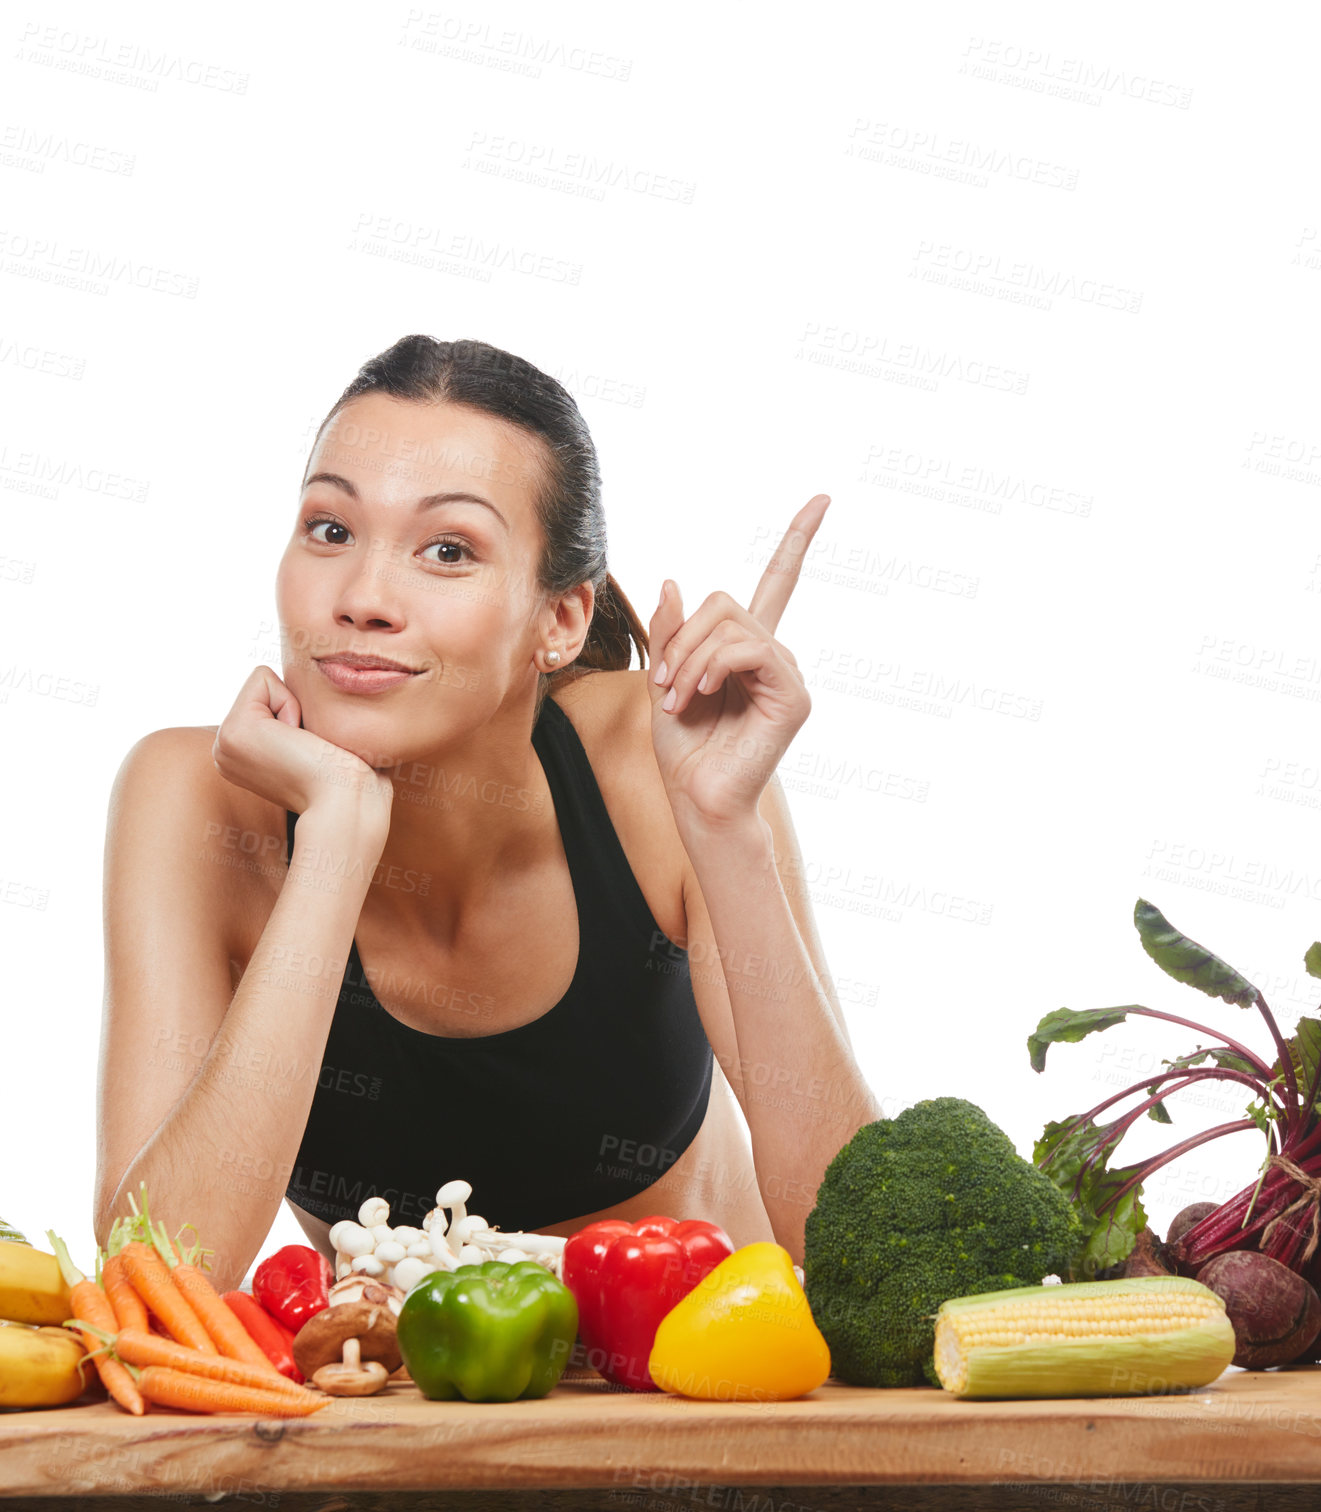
pixel 462 895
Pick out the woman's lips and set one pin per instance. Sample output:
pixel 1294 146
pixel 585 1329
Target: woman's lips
pixel 362 679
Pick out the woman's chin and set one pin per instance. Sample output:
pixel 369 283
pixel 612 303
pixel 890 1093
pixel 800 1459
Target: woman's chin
pixel 365 735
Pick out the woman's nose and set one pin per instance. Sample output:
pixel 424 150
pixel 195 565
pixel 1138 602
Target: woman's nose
pixel 368 597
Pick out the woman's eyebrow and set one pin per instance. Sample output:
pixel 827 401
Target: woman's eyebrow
pixel 430 502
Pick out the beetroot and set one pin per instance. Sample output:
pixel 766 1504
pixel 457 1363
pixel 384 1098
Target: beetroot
pixel 1278 1214
pixel 1275 1313
pixel 1147 1257
pixel 1186 1218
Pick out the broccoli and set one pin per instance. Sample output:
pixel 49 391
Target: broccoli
pixel 914 1210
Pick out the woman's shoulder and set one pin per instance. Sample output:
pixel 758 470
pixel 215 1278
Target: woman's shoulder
pixel 182 757
pixel 609 709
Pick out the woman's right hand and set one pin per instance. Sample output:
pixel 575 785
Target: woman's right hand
pixel 261 747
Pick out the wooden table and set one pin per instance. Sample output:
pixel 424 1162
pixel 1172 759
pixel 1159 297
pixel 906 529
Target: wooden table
pixel 591 1445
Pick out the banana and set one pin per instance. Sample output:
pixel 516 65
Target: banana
pixel 32 1290
pixel 39 1367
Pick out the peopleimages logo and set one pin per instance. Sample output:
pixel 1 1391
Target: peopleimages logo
pixel 1016 281
pixel 969 485
pixel 50 261
pixel 924 690
pixel 512 51
pixel 925 150
pixel 1043 72
pixel 437 249
pixel 99 56
pixel 872 354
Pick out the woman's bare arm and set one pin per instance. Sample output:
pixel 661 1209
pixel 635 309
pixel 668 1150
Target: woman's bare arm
pixel 765 995
pixel 727 698
pixel 205 1090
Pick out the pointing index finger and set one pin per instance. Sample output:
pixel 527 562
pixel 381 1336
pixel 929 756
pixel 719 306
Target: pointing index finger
pixel 781 575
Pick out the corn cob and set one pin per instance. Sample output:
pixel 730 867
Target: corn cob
pixel 1093 1338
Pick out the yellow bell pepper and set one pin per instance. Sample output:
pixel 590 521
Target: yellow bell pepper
pixel 744 1333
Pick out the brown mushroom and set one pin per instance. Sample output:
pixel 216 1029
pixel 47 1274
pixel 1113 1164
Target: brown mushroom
pixel 349 1349
pixel 353 1288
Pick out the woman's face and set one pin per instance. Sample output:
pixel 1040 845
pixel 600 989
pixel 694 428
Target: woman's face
pixel 416 540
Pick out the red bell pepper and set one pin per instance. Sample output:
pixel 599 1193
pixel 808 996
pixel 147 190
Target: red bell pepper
pixel 626 1276
pixel 267 1333
pixel 293 1284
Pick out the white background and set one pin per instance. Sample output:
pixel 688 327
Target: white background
pixel 1034 300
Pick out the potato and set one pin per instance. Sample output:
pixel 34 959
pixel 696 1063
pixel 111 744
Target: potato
pixel 1276 1314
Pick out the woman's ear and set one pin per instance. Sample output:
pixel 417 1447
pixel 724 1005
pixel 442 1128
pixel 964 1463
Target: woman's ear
pixel 568 621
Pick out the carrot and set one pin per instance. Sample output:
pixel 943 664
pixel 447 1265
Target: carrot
pixel 150 1278
pixel 89 1304
pixel 139 1348
pixel 223 1328
pixel 193 1393
pixel 127 1305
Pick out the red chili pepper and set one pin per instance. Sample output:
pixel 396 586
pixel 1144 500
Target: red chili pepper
pixel 267 1333
pixel 626 1277
pixel 293 1284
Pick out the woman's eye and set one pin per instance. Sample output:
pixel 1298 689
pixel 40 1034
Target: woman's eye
pixel 452 552
pixel 311 526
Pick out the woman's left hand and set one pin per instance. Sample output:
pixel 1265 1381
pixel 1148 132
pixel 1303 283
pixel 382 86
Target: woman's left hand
pixel 726 696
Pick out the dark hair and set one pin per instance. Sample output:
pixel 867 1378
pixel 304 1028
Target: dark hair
pixel 568 499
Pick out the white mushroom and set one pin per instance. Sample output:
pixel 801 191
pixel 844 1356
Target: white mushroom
pixel 375 1210
pixel 534 1243
pixel 372 1248
pixel 352 1239
pixel 410 1271
pixel 454 1194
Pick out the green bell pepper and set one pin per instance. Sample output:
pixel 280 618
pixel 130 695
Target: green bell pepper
pixel 493 1332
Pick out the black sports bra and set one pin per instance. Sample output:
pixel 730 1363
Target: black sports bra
pixel 555 1119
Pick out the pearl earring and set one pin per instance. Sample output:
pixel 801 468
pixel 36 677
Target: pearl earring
pixel 552 657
